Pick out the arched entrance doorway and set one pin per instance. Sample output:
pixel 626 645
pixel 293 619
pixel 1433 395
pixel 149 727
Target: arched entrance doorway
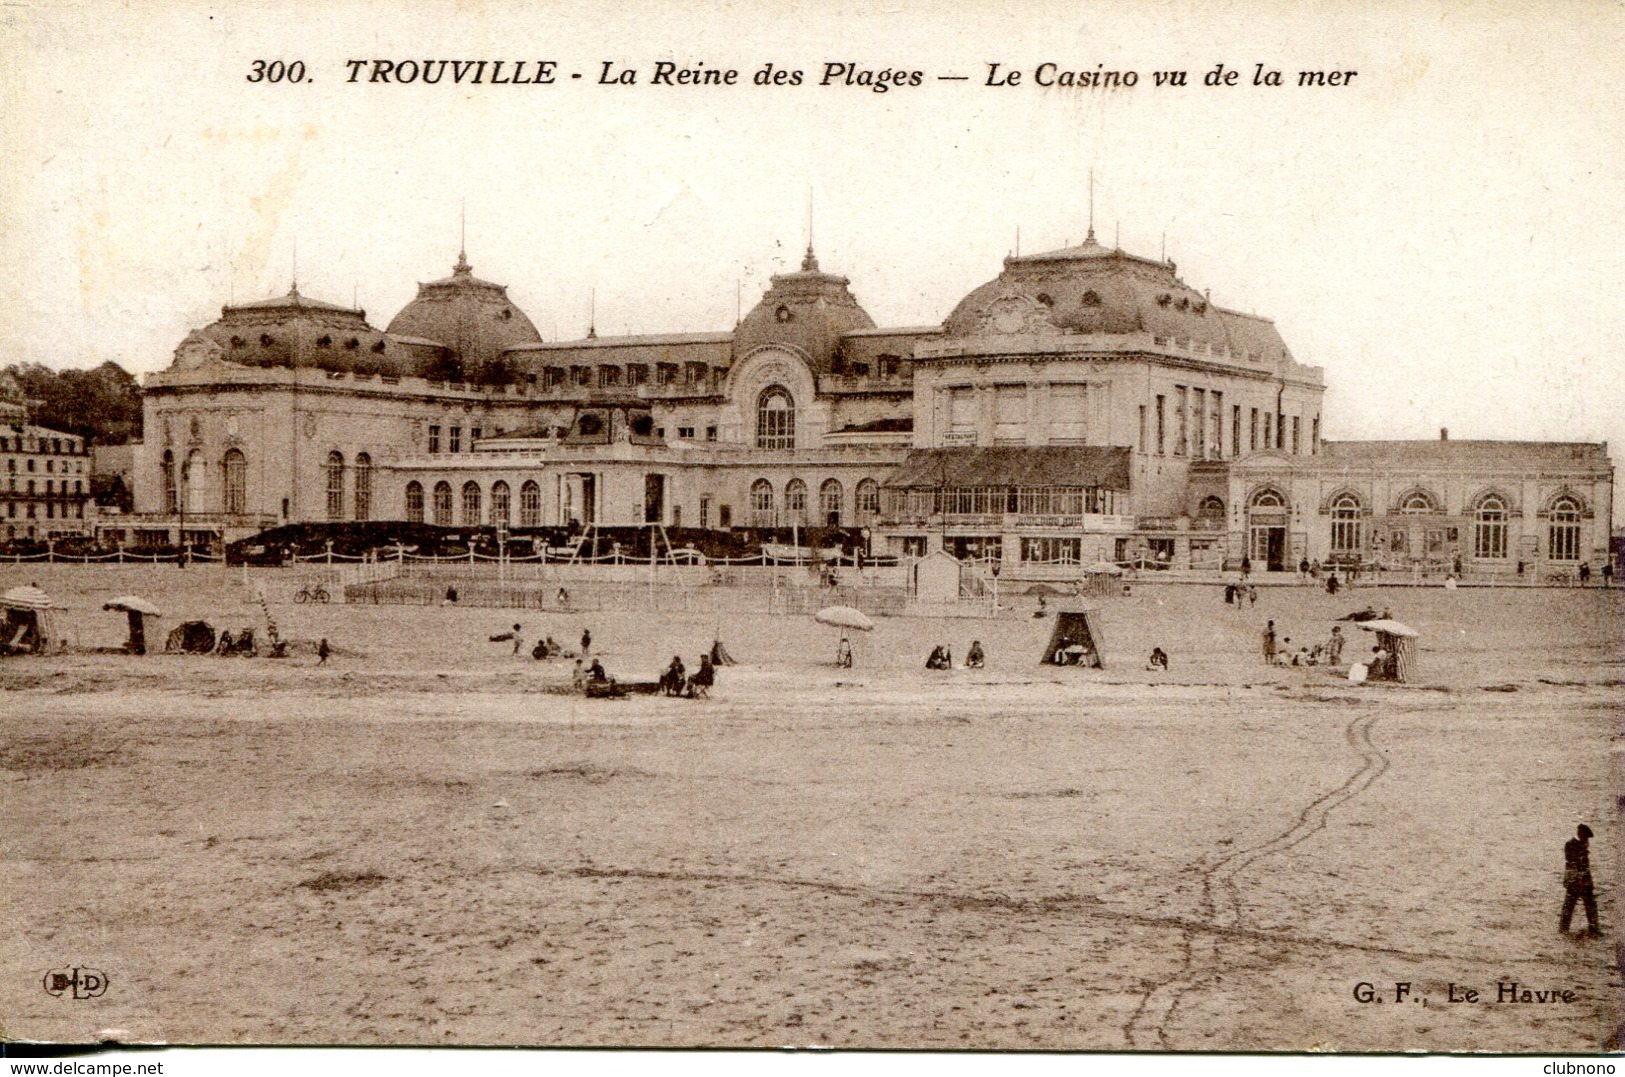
pixel 1266 530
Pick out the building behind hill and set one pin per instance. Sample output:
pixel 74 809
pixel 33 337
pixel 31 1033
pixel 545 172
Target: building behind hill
pixel 1086 404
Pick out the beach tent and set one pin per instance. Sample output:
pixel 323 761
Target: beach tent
pixel 138 609
pixel 719 653
pixel 192 637
pixel 1400 642
pixel 1076 640
pixel 24 624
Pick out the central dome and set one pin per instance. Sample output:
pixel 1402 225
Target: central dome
pixel 473 318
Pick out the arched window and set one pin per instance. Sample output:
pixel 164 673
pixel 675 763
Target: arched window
pixel 775 419
pixel 1268 499
pixel 363 486
pixel 530 505
pixel 761 503
pixel 414 502
pixel 499 504
pixel 1211 508
pixel 868 501
pixel 1346 524
pixel 235 468
pixel 172 502
pixel 1563 532
pixel 1418 503
pixel 335 485
pixel 795 502
pixel 829 502
pixel 471 504
pixel 442 503
pixel 1490 528
pixel 194 480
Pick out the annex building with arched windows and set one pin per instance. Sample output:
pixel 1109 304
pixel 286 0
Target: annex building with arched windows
pixel 1085 404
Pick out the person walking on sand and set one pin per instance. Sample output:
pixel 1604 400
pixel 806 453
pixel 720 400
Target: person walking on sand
pixel 1252 594
pixel 516 640
pixel 322 651
pixel 586 640
pixel 1269 643
pixel 1577 885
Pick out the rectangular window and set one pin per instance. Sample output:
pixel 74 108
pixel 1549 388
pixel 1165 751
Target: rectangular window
pixel 1218 425
pixel 609 376
pixel 1051 551
pixel 456 439
pixel 1010 413
pixel 1162 423
pixel 1280 431
pixel 474 435
pixel 696 373
pixel 1068 412
pixel 1143 447
pixel 686 432
pixel 1235 430
pixel 1181 420
pixel 1314 435
pixel 583 374
pixel 1295 431
pixel 434 437
pixel 636 374
pixel 710 433
pixel 962 412
pixel 1199 442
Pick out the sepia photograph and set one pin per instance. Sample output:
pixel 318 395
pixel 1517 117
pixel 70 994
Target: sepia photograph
pixel 962 527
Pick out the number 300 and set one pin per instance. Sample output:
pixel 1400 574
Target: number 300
pixel 277 71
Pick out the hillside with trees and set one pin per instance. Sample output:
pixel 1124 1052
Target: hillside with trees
pixel 102 405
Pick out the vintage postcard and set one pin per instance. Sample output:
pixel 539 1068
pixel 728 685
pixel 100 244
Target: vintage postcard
pixel 1038 526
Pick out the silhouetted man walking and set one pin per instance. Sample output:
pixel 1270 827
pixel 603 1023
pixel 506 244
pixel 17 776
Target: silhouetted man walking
pixel 1577 880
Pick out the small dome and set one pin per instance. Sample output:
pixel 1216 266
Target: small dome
pixel 294 330
pixel 473 318
pixel 810 310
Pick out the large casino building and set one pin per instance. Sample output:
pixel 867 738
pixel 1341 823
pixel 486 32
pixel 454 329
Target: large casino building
pixel 1085 404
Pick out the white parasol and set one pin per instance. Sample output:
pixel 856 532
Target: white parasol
pixel 132 604
pixel 844 617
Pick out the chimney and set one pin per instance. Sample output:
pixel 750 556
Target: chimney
pixel 1444 433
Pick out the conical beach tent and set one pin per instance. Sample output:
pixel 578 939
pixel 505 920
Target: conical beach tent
pixel 1076 640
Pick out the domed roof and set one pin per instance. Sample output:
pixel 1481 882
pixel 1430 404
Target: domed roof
pixel 1094 289
pixel 472 317
pixel 810 310
pixel 295 330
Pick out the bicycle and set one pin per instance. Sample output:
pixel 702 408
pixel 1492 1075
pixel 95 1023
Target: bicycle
pixel 312 592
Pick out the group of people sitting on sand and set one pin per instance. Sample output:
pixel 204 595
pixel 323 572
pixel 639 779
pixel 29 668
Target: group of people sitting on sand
pixel 1329 653
pixel 677 681
pixel 943 658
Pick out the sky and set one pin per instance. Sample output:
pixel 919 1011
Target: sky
pixel 1442 234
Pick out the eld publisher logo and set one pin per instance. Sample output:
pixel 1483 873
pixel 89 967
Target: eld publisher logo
pixel 81 982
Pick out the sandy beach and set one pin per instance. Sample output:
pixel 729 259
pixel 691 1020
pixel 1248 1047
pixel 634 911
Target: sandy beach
pixel 428 840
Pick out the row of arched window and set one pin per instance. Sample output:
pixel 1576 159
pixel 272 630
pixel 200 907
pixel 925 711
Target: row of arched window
pixel 361 502
pixel 1490 515
pixel 442 502
pixel 766 511
pixel 191 477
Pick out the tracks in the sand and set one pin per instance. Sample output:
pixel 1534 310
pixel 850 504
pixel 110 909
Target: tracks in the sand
pixel 1204 957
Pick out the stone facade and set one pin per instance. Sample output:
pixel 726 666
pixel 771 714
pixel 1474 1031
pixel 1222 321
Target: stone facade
pixel 1135 421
